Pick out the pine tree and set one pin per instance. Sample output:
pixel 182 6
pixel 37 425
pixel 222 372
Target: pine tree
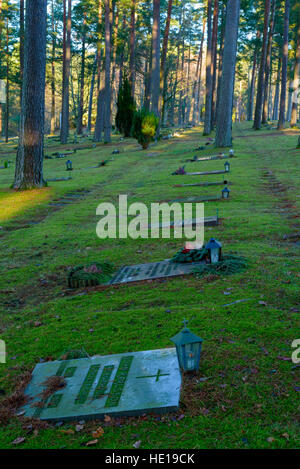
pixel 126 108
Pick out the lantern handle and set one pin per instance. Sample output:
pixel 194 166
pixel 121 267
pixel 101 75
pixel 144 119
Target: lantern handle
pixel 185 322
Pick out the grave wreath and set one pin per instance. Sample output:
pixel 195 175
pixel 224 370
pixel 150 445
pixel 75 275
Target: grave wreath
pixel 190 255
pixel 90 275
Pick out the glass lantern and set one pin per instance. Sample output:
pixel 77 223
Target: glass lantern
pixel 227 166
pixel 214 249
pixel 225 193
pixel 188 348
pixel 69 165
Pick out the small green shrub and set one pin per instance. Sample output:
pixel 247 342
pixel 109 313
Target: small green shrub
pixel 144 127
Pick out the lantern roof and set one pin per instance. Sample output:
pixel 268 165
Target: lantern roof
pixel 213 244
pixel 185 337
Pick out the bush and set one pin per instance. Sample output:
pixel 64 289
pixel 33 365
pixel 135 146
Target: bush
pixel 144 127
pixel 125 109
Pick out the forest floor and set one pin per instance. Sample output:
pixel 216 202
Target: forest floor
pixel 250 398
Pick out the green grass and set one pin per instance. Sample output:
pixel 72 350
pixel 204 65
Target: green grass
pixel 251 394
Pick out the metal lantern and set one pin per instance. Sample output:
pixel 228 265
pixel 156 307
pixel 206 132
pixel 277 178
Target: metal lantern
pixel 227 166
pixel 188 348
pixel 225 193
pixel 69 165
pixel 214 249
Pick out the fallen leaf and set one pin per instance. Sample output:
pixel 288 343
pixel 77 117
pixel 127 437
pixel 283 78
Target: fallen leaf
pixel 270 439
pixel 97 433
pixel 67 432
pixel 18 440
pixel 92 442
pixel 286 436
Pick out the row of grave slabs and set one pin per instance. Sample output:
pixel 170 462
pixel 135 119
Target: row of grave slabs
pixel 127 384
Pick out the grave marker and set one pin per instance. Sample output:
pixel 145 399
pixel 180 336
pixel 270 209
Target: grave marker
pixel 151 271
pixel 116 385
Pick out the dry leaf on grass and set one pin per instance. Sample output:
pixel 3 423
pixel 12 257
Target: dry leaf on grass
pixel 92 442
pixel 18 440
pixel 97 433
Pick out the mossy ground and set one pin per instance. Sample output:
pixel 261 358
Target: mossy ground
pixel 251 394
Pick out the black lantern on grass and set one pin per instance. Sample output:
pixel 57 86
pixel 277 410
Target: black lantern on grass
pixel 214 249
pixel 227 166
pixel 188 348
pixel 225 193
pixel 69 165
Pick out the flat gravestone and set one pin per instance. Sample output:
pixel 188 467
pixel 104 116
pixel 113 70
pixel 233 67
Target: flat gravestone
pixel 116 385
pixel 153 270
pixel 204 198
pixel 205 173
pixel 207 221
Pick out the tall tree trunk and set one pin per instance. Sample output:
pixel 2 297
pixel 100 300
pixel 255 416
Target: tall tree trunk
pixel 89 124
pixel 107 98
pixel 1 110
pixel 224 111
pixel 268 64
pixel 198 77
pixel 289 106
pixel 29 164
pixel 7 83
pixel 81 94
pixel 296 76
pixel 155 72
pixel 64 130
pixel 100 87
pixel 214 62
pixel 163 74
pixel 114 58
pixel 252 83
pixel 284 65
pixel 222 32
pixel 21 45
pixel 261 74
pixel 208 85
pixel 199 83
pixel 276 97
pixel 52 123
pixel 121 61
pixel 132 48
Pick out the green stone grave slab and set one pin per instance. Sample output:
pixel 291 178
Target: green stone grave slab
pixel 116 385
pixel 153 270
pixel 204 198
pixel 208 221
pixel 204 184
pixel 211 158
pixel 205 173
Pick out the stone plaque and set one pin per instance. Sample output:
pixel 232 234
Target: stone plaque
pixel 205 173
pixel 139 272
pixel 194 199
pixel 116 385
pixel 208 221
